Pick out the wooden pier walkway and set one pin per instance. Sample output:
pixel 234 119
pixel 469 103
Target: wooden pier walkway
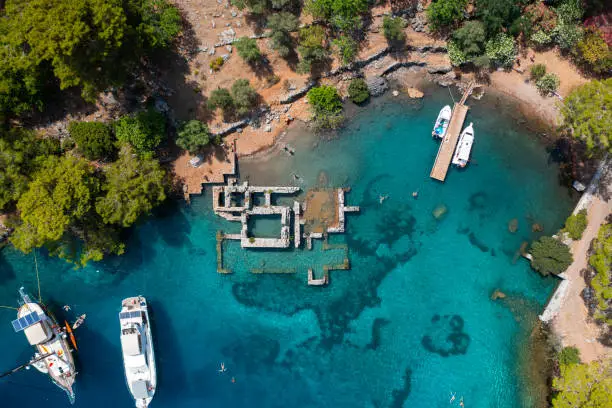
pixel 449 143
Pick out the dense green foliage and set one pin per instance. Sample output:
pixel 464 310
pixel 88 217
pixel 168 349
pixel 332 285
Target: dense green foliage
pixel 467 43
pixel 221 98
pixel 193 136
pixel 445 13
pixel 20 155
pixel 133 185
pixel 342 14
pixel 550 256
pixel 587 113
pixel 216 63
pixel 311 47
pixel 601 261
pixel 326 106
pixel 94 139
pixel 144 131
pixel 393 29
pixel 501 50
pixel 82 43
pixel 247 49
pixel 497 14
pixel 594 51
pixel 346 48
pixel 244 96
pixel 576 224
pixel 569 355
pixel 358 91
pixel 281 25
pixel 548 84
pixel 584 385
pixel 537 71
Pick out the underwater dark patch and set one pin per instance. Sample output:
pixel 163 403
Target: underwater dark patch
pixel 445 336
pixel 253 352
pixel 477 243
pixel 399 396
pixel 377 326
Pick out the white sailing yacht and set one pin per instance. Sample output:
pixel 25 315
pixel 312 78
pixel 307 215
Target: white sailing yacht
pixel 439 129
pixel 137 349
pixel 53 353
pixel 464 147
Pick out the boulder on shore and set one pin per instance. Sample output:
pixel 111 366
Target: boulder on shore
pixel 377 85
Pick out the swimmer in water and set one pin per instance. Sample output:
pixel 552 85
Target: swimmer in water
pixel 223 369
pixel 461 403
pixel 452 398
pixel 66 308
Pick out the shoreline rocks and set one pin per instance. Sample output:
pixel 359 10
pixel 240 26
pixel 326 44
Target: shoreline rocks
pixel 377 85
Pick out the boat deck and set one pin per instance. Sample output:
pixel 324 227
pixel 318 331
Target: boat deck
pixel 449 143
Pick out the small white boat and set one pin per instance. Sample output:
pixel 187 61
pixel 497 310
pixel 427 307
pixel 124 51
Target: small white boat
pixel 464 147
pixel 441 125
pixel 137 349
pixel 53 355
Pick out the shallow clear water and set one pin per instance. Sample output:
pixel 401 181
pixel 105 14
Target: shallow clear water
pixel 411 321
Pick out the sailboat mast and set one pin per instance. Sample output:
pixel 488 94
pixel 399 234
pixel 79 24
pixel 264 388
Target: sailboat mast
pixel 21 367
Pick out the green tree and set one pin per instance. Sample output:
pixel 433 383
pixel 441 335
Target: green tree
pixel 244 96
pixel 594 51
pixel 569 355
pixel 254 6
pixel 133 186
pixel 576 224
pixel 326 106
pixel 567 35
pixel 467 43
pixel 537 71
pixel 144 131
pixel 281 25
pixel 220 98
pixel 601 261
pixel 358 91
pixel 584 385
pixel 550 256
pixel 497 14
pixel 94 139
pixel 587 113
pixel 343 14
pixel 346 48
pixel 548 84
pixel 161 23
pixel 247 49
pixel 501 50
pixel 445 13
pixel 393 29
pixel 311 47
pixel 193 135
pixel 58 198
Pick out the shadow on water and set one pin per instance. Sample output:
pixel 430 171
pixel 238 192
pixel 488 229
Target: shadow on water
pixel 172 225
pixel 7 273
pixel 172 380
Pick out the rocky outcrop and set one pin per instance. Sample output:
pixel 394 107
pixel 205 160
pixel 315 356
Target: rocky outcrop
pixel 232 127
pixel 397 65
pixel 297 94
pixel 377 85
pixel 440 69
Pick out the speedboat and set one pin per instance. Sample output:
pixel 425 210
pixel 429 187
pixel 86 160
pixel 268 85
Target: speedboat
pixel 464 147
pixel 53 355
pixel 137 350
pixel 442 122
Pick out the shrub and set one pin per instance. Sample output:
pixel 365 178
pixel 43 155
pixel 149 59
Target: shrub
pixel 311 47
pixel 537 71
pixel 576 224
pixel 217 63
pixel 445 13
pixel 569 355
pixel 594 51
pixel 346 48
pixel 457 57
pixel 501 50
pixel 587 114
pixel 193 135
pixel 393 28
pixel 144 131
pixel 244 96
pixel 470 40
pixel 326 106
pixel 567 35
pixel 161 23
pixel 281 24
pixel 358 90
pixel 343 14
pixel 548 84
pixel 247 49
pixel 94 139
pixel 222 99
pixel 550 256
pixel 570 11
pixel 541 38
pixel 497 14
pixel 601 261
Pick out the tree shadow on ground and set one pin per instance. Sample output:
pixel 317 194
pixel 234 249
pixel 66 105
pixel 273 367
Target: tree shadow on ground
pixel 262 68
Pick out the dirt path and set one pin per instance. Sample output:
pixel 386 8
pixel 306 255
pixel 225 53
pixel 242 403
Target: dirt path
pixel 572 322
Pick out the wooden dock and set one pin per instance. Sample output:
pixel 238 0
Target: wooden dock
pixel 449 143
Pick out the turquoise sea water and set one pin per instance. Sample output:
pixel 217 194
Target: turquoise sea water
pixel 409 323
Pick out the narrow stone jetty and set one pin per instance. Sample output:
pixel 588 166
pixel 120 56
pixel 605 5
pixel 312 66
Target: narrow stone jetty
pixel 449 143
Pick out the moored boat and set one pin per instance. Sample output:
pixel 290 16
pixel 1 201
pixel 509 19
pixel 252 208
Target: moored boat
pixel 442 122
pixel 53 354
pixel 464 147
pixel 137 350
